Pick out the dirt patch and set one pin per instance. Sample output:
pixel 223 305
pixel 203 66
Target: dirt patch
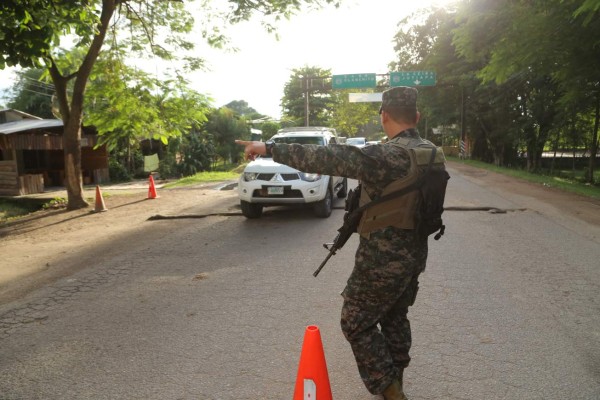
pixel 50 244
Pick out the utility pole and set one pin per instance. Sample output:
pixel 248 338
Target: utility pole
pixel 462 113
pixel 463 134
pixel 310 83
pixel 307 80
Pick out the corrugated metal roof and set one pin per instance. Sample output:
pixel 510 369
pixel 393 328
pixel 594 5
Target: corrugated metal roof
pixel 17 113
pixel 27 124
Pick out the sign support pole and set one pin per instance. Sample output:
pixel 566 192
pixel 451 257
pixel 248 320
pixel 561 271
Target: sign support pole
pixel 306 104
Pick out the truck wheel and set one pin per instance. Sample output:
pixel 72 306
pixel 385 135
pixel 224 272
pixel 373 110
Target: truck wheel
pixel 251 210
pixel 343 192
pixel 323 208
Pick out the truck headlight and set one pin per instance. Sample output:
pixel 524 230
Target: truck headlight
pixel 250 176
pixel 310 177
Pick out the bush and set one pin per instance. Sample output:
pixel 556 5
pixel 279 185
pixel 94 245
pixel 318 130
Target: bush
pixel 197 155
pixel 117 172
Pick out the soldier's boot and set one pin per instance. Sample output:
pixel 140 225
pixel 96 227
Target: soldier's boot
pixel 394 391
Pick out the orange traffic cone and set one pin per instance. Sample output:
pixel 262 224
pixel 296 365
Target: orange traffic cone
pixel 100 206
pixel 152 189
pixel 312 382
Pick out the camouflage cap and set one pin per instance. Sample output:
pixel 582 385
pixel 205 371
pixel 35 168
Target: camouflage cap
pixel 402 96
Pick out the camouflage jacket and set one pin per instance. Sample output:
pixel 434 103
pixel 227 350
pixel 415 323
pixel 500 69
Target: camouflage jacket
pixel 375 166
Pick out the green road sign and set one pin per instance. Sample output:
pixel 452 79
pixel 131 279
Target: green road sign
pixel 412 78
pixel 353 81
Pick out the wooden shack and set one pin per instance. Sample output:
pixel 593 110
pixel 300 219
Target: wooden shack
pixel 32 154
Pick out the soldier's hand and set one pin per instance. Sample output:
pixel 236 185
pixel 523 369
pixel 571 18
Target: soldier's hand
pixel 252 149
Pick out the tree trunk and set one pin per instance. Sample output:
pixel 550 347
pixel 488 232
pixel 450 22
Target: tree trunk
pixel 555 151
pixel 594 144
pixel 531 150
pixel 71 143
pixel 129 158
pixel 72 112
pixel 73 176
pixel 573 127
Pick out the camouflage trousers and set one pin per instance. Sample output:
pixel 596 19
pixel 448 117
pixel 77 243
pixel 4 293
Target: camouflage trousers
pixel 383 284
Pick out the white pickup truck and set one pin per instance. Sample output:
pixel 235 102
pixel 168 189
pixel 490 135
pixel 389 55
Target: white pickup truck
pixel 267 183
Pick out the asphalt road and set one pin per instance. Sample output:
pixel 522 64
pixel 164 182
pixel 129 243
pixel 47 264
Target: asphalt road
pixel 509 308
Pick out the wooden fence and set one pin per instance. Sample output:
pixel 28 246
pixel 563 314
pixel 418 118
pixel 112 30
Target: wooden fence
pixel 9 178
pixel 11 184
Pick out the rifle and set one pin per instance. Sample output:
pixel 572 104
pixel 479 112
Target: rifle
pixel 351 220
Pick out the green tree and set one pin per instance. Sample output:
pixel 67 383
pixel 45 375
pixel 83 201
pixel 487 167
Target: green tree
pixel 269 128
pixel 457 98
pixel 30 33
pixel 127 103
pixel 224 126
pixel 309 90
pixel 353 119
pixel 197 153
pixel 241 107
pixel 31 94
pixel 510 73
pixel 549 49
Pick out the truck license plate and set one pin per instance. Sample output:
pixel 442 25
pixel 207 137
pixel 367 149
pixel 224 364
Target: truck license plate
pixel 275 190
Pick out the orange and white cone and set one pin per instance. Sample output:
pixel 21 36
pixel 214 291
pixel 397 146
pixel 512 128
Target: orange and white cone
pixel 312 382
pixel 100 206
pixel 152 189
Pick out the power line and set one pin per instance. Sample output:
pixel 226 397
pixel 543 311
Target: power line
pixel 38 83
pixel 38 93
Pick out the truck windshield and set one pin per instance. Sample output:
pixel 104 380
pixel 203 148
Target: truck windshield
pixel 355 141
pixel 300 140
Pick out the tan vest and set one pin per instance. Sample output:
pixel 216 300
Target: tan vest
pixel 400 211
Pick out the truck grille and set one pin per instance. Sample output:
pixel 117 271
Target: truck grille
pixel 285 177
pixel 287 194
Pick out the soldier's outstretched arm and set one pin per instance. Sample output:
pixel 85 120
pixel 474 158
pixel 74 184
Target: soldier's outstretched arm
pixel 252 149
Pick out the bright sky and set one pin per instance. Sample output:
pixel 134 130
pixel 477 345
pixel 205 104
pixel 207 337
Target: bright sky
pixel 355 38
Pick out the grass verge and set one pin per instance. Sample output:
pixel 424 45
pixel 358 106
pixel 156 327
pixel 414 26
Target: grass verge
pixel 559 182
pixel 204 177
pixel 11 208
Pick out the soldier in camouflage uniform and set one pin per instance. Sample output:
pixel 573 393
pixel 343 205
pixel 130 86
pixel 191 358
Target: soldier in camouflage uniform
pixel 384 281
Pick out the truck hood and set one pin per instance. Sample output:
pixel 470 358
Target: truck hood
pixel 267 165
